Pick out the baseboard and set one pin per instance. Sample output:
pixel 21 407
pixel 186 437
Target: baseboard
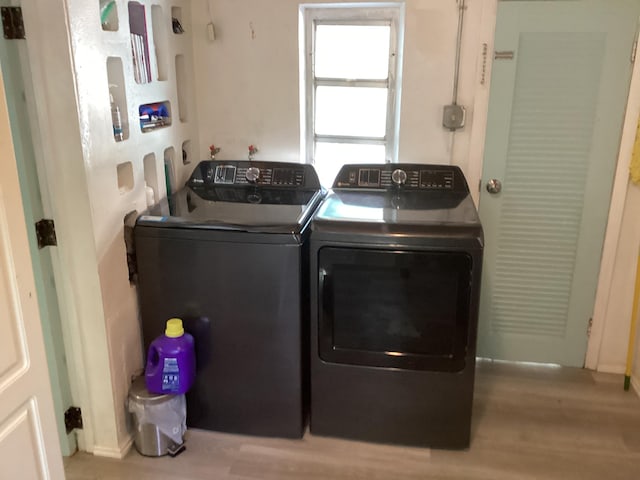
pixel 619 369
pixel 635 384
pixel 635 379
pixel 118 453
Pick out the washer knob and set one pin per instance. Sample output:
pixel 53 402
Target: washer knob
pixel 252 175
pixel 399 176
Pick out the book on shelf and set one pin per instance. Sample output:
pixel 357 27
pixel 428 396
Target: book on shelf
pixel 139 43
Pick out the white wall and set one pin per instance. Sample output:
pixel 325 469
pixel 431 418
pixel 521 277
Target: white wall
pixel 616 334
pixel 247 80
pixel 86 192
pixel 66 197
pixel 607 349
pixel 110 202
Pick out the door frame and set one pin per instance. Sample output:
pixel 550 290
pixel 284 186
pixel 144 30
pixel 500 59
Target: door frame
pixel 60 159
pixel 601 320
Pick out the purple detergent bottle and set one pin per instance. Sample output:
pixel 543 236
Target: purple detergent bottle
pixel 171 361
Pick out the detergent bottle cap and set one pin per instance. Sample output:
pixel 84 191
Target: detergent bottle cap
pixel 174 328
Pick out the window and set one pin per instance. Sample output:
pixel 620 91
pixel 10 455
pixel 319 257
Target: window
pixel 350 84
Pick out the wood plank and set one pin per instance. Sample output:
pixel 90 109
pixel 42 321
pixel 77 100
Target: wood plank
pixel 529 422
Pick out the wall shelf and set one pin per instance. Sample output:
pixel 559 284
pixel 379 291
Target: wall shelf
pixel 181 75
pixel 139 43
pixel 176 20
pixel 125 177
pixel 109 15
pixel 160 41
pixel 170 170
pixel 117 97
pixel 154 116
pixel 150 178
pixel 186 152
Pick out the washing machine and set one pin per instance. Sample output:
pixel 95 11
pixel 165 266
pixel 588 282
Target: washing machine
pixel 395 265
pixel 228 254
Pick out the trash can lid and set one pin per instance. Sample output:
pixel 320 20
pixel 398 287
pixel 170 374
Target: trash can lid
pixel 139 392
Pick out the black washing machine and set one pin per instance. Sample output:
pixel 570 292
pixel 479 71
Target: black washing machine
pixel 395 263
pixel 228 254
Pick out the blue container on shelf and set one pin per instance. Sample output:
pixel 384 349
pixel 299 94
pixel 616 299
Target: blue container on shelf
pixel 171 361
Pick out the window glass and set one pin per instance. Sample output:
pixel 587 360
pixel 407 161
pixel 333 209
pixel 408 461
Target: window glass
pixel 352 51
pixel 329 157
pixel 351 56
pixel 351 111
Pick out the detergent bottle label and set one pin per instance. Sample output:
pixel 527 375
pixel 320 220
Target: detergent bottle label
pixel 171 361
pixel 170 375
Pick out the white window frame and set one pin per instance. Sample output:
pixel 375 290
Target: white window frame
pixel 391 14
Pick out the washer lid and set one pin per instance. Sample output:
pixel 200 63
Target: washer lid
pixel 247 209
pixel 265 197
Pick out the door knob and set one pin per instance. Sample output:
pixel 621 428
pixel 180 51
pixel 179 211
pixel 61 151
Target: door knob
pixel 494 186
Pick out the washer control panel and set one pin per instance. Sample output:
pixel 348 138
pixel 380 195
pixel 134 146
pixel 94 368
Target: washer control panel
pixel 242 173
pixel 406 176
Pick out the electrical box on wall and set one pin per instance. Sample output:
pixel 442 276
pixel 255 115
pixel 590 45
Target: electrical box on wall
pixel 453 116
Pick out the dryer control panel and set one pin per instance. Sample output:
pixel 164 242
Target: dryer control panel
pixel 406 176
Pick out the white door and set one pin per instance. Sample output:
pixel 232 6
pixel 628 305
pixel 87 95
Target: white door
pixel 29 446
pixel 558 92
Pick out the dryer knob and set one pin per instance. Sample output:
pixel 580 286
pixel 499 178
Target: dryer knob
pixel 399 176
pixel 252 175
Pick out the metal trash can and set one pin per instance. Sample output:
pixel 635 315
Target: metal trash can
pixel 159 421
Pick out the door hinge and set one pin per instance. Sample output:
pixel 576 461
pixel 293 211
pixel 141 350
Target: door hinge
pixel 46 233
pixel 12 23
pixel 589 326
pixel 73 419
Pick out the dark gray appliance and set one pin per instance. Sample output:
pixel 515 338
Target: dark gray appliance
pixel 395 263
pixel 228 255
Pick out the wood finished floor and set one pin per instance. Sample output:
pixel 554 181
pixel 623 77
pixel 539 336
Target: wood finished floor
pixel 529 422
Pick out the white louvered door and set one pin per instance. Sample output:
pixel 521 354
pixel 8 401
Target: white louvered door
pixel 559 87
